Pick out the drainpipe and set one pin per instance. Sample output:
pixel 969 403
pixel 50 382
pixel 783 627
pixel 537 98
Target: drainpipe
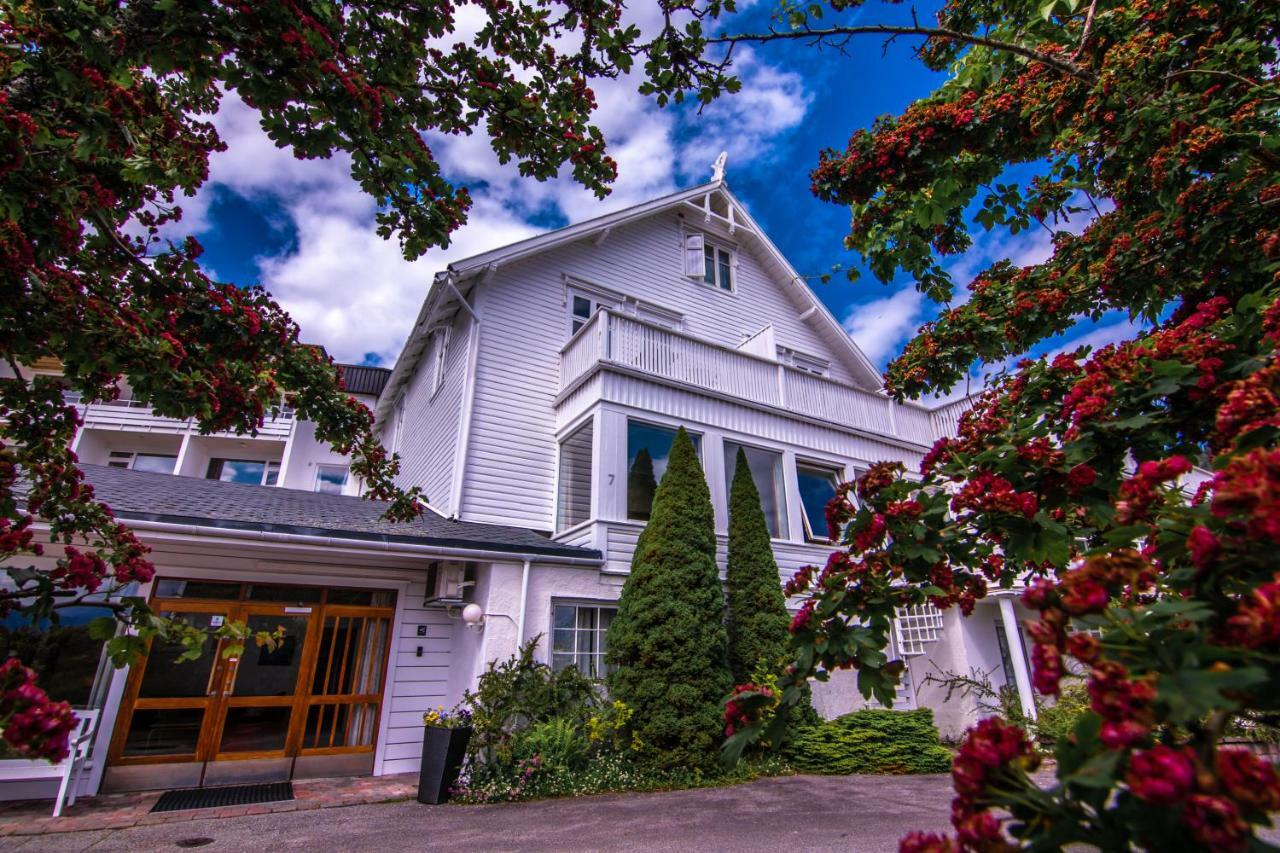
pixel 1013 639
pixel 524 600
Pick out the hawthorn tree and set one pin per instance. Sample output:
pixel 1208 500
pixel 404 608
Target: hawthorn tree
pixel 104 126
pixel 1156 121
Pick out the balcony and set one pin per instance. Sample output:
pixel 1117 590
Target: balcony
pixel 626 344
pixel 133 416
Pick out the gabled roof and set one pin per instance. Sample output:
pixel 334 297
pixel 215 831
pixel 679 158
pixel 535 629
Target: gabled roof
pixel 361 379
pixel 698 198
pixel 144 496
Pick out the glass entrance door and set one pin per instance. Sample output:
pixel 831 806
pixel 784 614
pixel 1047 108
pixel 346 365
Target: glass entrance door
pixel 312 697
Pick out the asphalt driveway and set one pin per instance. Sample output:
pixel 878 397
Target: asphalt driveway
pixel 858 813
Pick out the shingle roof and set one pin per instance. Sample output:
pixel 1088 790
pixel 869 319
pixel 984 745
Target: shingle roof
pixel 360 379
pixel 141 495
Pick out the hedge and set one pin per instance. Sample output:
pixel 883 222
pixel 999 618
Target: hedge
pixel 870 741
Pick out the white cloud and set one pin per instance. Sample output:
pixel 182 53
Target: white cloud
pixel 878 327
pixel 353 292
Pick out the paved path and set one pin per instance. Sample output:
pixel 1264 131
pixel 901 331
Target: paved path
pixel 796 813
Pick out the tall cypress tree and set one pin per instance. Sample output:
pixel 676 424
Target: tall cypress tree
pixel 757 608
pixel 668 639
pixel 641 485
pixel 758 619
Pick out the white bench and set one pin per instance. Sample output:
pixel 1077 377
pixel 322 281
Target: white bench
pixel 30 770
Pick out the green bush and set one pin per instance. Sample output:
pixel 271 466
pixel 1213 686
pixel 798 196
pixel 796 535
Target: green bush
pixel 558 742
pixel 518 693
pixel 609 772
pixel 871 741
pixel 1055 722
pixel 668 641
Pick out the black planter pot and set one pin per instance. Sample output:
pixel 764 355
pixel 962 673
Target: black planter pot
pixel 442 753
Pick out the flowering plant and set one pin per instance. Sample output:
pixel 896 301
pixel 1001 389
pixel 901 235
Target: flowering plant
pixel 438 717
pixel 1131 492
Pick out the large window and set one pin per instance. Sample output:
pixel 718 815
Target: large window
pixel 331 479
pixel 157 463
pixel 578 637
pixel 249 471
pixel 766 470
pixel 574 504
pixel 66 659
pixel 648 448
pixel 817 488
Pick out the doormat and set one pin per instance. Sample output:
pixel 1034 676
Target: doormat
pixel 230 795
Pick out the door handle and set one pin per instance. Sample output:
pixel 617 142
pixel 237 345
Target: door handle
pixel 230 683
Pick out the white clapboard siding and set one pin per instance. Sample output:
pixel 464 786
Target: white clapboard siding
pixel 416 683
pixel 429 435
pixel 510 468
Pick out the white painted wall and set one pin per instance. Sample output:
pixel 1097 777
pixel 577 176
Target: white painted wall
pixel 304 453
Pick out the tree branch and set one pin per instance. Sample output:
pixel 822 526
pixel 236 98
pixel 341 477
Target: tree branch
pixel 1064 66
pixel 1088 28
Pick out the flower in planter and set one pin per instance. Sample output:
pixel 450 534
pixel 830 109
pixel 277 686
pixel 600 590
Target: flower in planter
pixel 438 717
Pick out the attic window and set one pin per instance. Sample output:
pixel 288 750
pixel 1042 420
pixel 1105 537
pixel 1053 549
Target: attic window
pixel 708 261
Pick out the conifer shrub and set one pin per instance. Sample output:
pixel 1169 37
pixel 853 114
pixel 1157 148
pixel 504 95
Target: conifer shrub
pixel 668 640
pixel 870 741
pixel 757 623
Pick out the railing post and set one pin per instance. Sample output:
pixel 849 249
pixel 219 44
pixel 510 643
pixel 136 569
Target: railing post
pixel 606 334
pixel 782 383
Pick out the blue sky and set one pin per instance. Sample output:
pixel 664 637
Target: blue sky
pixel 305 232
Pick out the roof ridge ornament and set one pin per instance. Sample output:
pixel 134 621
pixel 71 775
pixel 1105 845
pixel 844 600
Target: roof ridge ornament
pixel 717 168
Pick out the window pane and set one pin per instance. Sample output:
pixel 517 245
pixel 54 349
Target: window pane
pixel 169 588
pixel 154 463
pixel 164 731
pixel 64 657
pixel 579 638
pixel 167 678
pixel 647 450
pixel 577 324
pixel 817 488
pixel 766 470
pixel 237 471
pixel 330 479
pixel 726 274
pixel 574 504
pixel 709 275
pixel 582 307
pixel 273 473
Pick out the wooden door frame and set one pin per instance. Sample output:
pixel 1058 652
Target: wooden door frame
pixel 216 703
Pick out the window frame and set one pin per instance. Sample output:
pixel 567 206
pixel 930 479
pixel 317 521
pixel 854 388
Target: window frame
pixel 438 345
pixel 718 248
pixel 588 425
pixel 780 484
pixel 596 302
pixel 837 472
pixel 267 466
pixel 321 467
pixel 114 456
pixel 601 634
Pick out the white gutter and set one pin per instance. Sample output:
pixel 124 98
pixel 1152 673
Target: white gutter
pixel 524 601
pixel 331 542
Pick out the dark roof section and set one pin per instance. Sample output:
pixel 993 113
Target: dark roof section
pixel 140 495
pixel 359 379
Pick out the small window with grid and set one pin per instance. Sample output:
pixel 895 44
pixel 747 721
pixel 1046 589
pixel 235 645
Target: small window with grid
pixel 918 625
pixel 579 633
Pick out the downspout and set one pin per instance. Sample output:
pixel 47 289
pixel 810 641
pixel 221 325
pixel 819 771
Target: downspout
pixel 524 602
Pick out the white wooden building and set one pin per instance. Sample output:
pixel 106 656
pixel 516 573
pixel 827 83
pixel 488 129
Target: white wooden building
pixel 535 402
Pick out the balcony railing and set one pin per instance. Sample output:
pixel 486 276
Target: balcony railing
pixel 622 341
pixel 135 416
